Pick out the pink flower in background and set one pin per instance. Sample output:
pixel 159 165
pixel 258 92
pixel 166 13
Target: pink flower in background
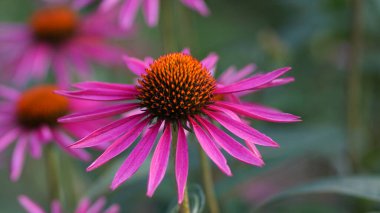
pixel 29 119
pixel 176 92
pixel 57 37
pixel 150 9
pixel 84 206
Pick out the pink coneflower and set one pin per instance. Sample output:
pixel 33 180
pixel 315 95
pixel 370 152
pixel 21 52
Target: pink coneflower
pixel 150 9
pixel 176 92
pixel 29 119
pixel 84 206
pixel 58 37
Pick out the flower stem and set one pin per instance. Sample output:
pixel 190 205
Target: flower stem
pixel 51 172
pixel 184 206
pixel 354 84
pixel 167 26
pixel 208 183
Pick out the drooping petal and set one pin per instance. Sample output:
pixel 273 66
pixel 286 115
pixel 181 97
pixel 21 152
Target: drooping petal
pixel 29 205
pixel 119 145
pixel 94 85
pixel 231 146
pixel 151 10
pixel 98 113
pixel 35 145
pixel 252 83
pixel 259 112
pixel 18 158
pixel 242 130
pixel 159 162
pixel 136 157
pixel 197 5
pixel 136 65
pixel 97 206
pixel 128 13
pixel 8 138
pixel 277 82
pixel 108 4
pixel 56 207
pixel 83 205
pixel 8 93
pixel 108 132
pixel 99 94
pixel 113 209
pixel 210 148
pixel 181 162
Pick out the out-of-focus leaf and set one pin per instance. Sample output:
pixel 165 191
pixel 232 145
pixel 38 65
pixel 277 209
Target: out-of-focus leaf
pixel 196 200
pixel 364 187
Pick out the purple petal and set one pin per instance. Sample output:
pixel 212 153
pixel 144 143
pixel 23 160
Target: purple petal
pixel 259 112
pixel 96 85
pixel 210 148
pixel 241 129
pixel 136 65
pixel 29 205
pixel 277 82
pixel 210 62
pixel 63 141
pixel 8 138
pixel 83 205
pixel 181 163
pixel 231 146
pixel 98 113
pixel 108 4
pixel 99 94
pixel 56 207
pixel 151 11
pixel 253 82
pixel 18 158
pixel 136 157
pixel 35 145
pixel 113 209
pixel 159 162
pixel 108 132
pixel 121 144
pixel 97 206
pixel 8 93
pixel 128 13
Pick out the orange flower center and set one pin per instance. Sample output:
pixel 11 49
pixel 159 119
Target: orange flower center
pixel 40 106
pixel 176 86
pixel 54 24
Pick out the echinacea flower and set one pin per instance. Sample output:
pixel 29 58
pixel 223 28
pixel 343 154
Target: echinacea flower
pixel 58 37
pixel 150 9
pixel 176 92
pixel 29 120
pixel 84 206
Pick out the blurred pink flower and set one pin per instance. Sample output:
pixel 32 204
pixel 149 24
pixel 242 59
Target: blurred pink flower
pixel 57 36
pixel 84 206
pixel 150 9
pixel 178 92
pixel 29 120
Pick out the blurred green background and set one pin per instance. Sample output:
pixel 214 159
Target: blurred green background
pixel 330 162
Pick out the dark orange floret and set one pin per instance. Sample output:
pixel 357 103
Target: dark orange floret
pixel 54 24
pixel 176 86
pixel 41 106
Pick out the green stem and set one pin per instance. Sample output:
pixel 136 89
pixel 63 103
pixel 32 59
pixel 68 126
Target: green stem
pixel 354 85
pixel 167 26
pixel 208 183
pixel 52 172
pixel 184 206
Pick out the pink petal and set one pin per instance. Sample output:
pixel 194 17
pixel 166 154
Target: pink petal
pixel 210 148
pixel 98 113
pixel 137 66
pixel 56 207
pixel 181 163
pixel 120 145
pixel 108 132
pixel 159 162
pixel 242 130
pixel 35 145
pixel 18 158
pixel 151 11
pixel 210 62
pixel 258 113
pixel 63 141
pixel 231 146
pixel 8 138
pixel 113 209
pixel 29 205
pixel 277 82
pixel 96 85
pixel 197 5
pixel 8 93
pixel 128 13
pixel 252 82
pixel 83 205
pixel 61 69
pixel 108 4
pixel 99 95
pixel 45 133
pixel 97 206
pixel 186 51
pixel 136 157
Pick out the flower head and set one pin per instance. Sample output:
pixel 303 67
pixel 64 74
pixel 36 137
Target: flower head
pixel 150 8
pixel 29 119
pixel 176 92
pixel 57 36
pixel 84 206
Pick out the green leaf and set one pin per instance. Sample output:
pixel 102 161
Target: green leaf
pixel 364 187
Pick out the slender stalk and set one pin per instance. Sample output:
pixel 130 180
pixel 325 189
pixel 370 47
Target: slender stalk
pixel 167 26
pixel 184 206
pixel 354 84
pixel 51 168
pixel 208 184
